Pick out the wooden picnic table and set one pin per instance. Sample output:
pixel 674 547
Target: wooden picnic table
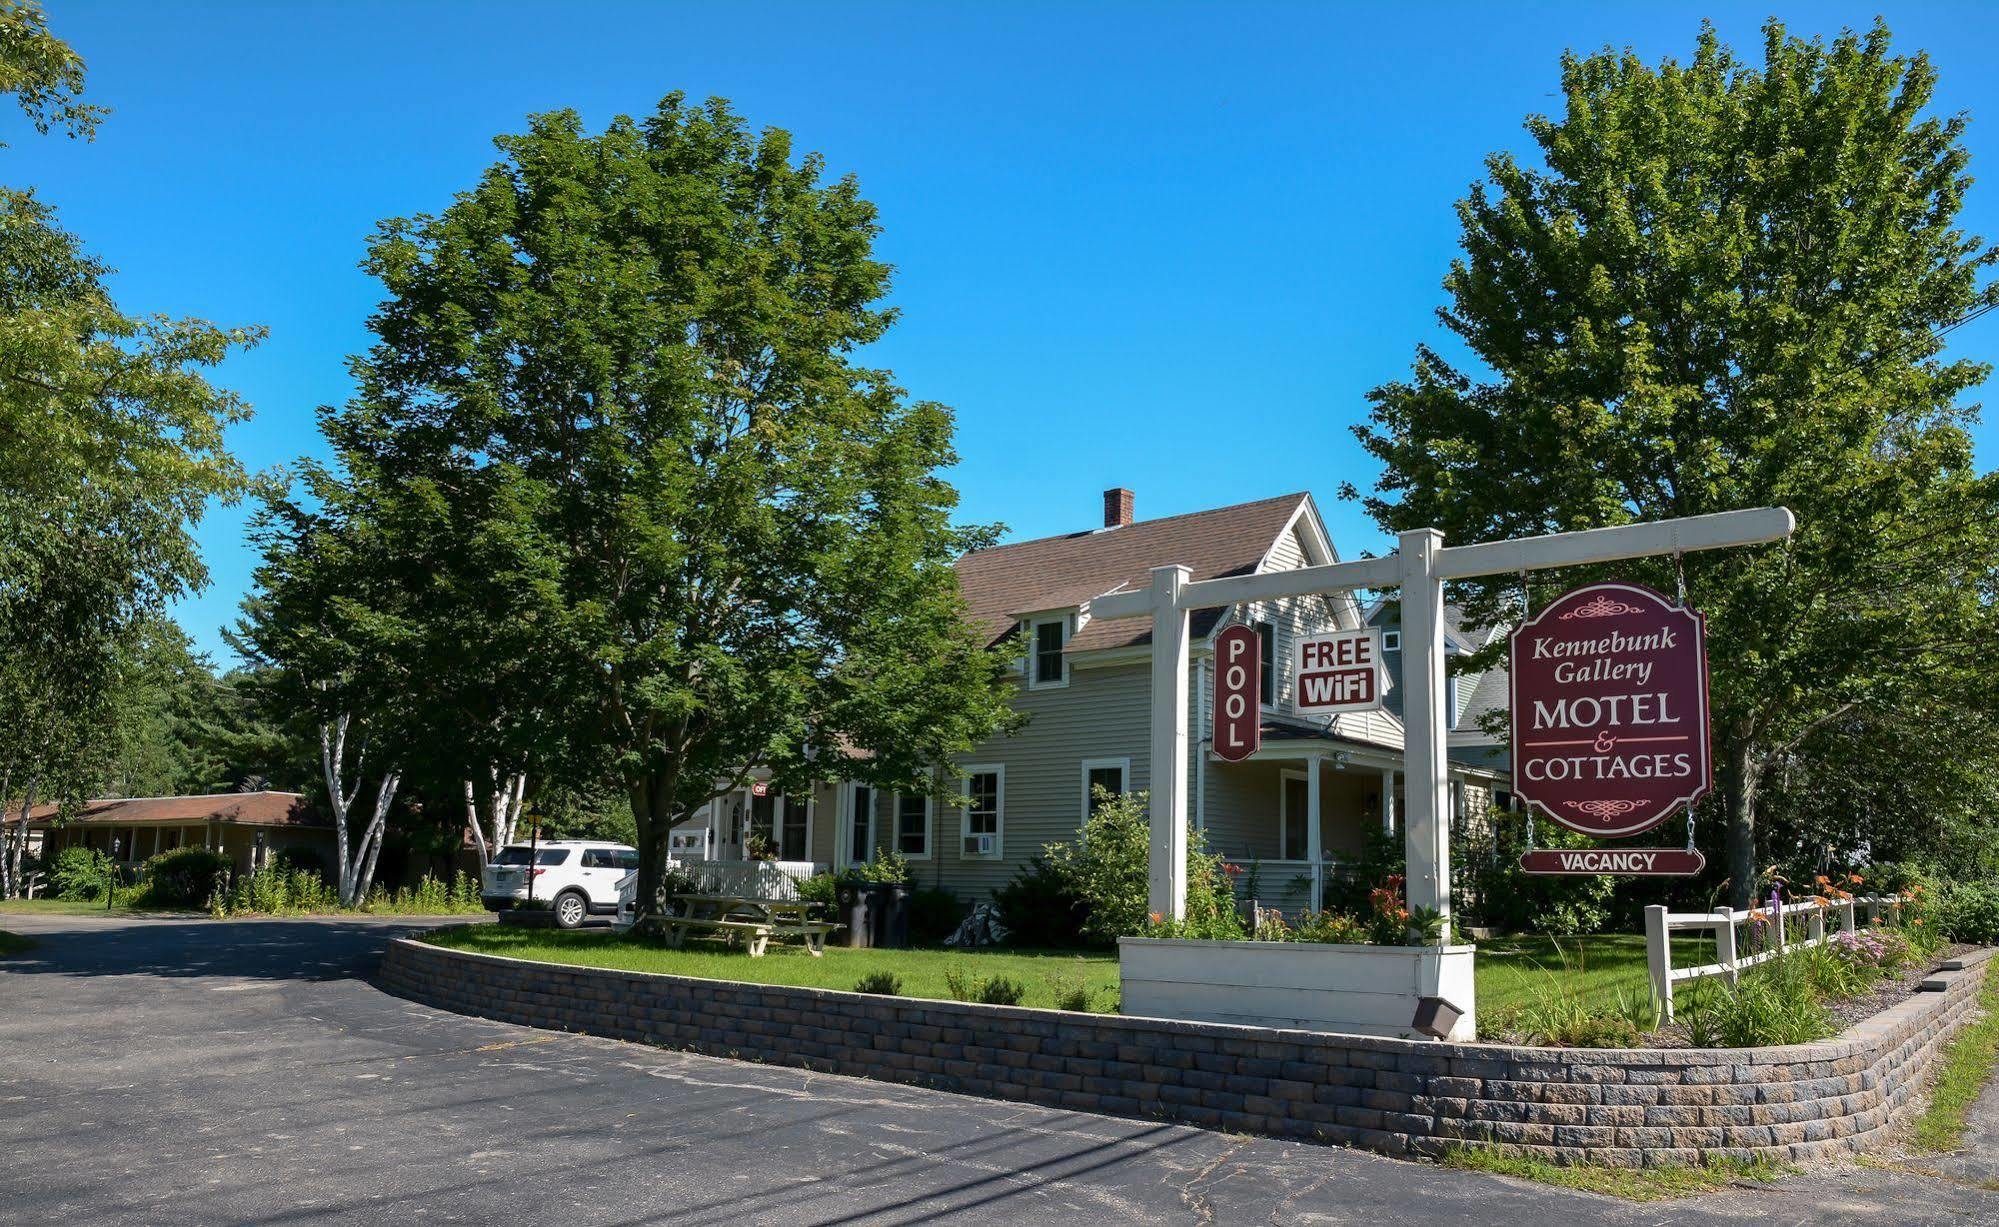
pixel 752 919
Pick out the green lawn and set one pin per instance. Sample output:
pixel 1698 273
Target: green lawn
pixel 1515 971
pixel 1046 975
pixel 1511 971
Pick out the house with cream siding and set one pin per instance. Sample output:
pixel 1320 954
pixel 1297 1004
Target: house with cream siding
pixel 1085 686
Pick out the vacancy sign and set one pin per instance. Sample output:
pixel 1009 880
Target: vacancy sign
pixel 1610 710
pixel 1238 693
pixel 1337 671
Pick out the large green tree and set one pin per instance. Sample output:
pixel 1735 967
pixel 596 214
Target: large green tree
pixel 620 375
pixel 1728 285
pixel 111 449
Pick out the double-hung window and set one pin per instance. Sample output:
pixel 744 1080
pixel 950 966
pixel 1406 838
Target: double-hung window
pixel 1113 775
pixel 1046 664
pixel 983 817
pixel 912 825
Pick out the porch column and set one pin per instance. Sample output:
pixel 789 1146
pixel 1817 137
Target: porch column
pixel 1314 846
pixel 1166 855
pixel 1388 801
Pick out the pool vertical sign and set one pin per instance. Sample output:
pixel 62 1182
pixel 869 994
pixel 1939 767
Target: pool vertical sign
pixel 1610 723
pixel 1238 731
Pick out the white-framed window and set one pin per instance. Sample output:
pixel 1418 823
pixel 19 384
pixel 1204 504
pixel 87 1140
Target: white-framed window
pixel 1294 796
pixel 1391 641
pixel 1266 681
pixel 1114 774
pixel 912 825
pixel 982 817
pixel 1047 663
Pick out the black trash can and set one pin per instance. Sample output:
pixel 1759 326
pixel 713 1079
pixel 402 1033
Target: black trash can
pixel 852 901
pixel 890 914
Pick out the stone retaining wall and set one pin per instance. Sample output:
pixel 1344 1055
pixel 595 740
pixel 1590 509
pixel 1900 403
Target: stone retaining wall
pixel 1399 1097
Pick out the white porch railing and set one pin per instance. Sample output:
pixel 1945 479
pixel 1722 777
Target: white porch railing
pixel 773 880
pixel 1660 925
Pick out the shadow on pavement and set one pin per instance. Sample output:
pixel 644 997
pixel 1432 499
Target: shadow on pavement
pixel 308 949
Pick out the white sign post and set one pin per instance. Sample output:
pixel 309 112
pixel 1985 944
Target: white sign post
pixel 1419 568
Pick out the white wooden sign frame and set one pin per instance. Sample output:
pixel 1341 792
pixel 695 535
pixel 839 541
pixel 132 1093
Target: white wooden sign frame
pixel 1420 567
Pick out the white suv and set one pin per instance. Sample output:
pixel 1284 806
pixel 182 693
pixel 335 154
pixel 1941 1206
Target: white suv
pixel 577 877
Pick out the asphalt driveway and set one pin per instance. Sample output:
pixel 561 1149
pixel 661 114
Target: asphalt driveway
pixel 199 1072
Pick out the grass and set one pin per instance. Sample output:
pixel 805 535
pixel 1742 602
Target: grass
pixel 13 943
pixel 1514 972
pixel 1962 1074
pixel 1631 1184
pixel 1047 976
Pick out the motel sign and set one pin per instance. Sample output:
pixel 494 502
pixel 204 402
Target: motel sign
pixel 1610 710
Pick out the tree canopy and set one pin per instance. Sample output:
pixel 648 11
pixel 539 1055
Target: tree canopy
pixel 1729 285
pixel 641 508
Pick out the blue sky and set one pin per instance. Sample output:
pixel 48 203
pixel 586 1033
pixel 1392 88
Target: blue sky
pixel 1163 246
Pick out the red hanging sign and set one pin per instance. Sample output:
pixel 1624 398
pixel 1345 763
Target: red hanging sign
pixel 1238 693
pixel 1610 710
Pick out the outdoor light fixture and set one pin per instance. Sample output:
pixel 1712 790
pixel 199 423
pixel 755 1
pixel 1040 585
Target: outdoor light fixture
pixel 1435 1017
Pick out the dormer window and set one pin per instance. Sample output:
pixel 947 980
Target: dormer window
pixel 1047 665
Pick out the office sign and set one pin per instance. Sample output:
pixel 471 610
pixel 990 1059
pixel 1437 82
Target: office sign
pixel 1610 710
pixel 1238 693
pixel 1633 862
pixel 1337 671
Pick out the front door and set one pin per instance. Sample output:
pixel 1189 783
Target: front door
pixel 1297 794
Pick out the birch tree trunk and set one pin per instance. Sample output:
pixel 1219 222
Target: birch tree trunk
pixel 14 848
pixel 332 761
pixel 371 842
pixel 478 828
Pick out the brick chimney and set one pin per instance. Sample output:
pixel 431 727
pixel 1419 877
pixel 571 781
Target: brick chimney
pixel 1118 503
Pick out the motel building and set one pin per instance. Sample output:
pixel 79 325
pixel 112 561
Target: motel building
pixel 1296 814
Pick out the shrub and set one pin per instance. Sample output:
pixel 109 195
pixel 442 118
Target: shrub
pixel 821 888
pixel 80 873
pixel 1040 908
pixel 1107 870
pixel 888 866
pixel 1331 928
pixel 183 878
pixel 933 914
pixel 276 889
pixel 1075 998
pixel 1775 1003
pixel 882 983
pixel 431 896
pixel 993 990
pixel 1969 912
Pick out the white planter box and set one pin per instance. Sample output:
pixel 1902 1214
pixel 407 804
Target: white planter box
pixel 1361 990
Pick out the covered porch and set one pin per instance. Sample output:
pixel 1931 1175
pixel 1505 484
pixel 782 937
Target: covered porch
pixel 1298 815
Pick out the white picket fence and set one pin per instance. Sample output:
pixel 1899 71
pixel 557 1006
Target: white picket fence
pixel 1772 938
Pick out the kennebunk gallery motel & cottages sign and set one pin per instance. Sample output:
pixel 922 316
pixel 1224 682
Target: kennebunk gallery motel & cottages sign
pixel 1610 724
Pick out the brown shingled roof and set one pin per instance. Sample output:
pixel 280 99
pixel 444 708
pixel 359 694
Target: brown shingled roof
pixel 1062 572
pixel 242 808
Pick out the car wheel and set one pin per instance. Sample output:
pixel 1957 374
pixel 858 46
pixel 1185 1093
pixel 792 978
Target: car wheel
pixel 570 910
